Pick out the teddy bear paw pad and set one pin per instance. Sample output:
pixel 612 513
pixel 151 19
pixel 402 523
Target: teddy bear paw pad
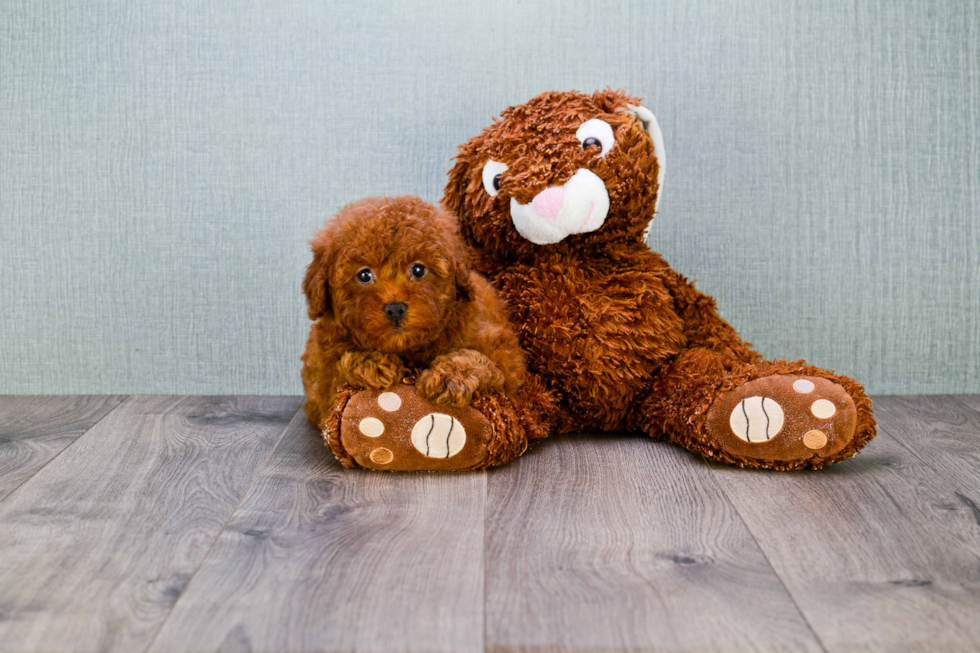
pixel 783 418
pixel 438 435
pixel 397 430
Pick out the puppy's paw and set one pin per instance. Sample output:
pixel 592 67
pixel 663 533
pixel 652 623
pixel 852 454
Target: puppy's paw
pixel 454 378
pixel 370 369
pixel 446 388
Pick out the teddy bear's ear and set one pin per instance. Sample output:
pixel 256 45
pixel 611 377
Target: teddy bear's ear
pixel 652 127
pixel 315 284
pixel 452 198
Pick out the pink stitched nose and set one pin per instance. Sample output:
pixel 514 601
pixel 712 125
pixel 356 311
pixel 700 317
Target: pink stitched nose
pixel 548 202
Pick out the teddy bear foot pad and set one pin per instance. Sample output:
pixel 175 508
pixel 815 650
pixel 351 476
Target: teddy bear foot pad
pixel 396 430
pixel 783 418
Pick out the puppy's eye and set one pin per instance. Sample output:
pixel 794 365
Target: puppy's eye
pixel 417 271
pixel 492 174
pixel 365 276
pixel 596 132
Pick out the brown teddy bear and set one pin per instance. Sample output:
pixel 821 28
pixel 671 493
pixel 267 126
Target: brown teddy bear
pixel 555 199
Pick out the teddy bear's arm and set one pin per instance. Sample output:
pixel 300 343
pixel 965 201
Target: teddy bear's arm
pixel 493 336
pixel 703 327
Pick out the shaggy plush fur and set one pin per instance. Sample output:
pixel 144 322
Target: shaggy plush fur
pixel 453 336
pixel 621 340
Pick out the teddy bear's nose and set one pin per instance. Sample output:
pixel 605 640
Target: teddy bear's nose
pixel 395 311
pixel 548 202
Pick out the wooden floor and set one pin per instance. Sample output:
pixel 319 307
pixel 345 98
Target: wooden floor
pixel 222 523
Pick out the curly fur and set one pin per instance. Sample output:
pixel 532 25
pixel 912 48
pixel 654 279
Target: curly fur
pixel 454 335
pixel 621 339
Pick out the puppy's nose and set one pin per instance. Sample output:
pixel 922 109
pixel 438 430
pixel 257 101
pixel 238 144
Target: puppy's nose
pixel 395 311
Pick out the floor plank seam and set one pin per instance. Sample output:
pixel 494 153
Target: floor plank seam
pixel 782 582
pixel 217 536
pixel 75 441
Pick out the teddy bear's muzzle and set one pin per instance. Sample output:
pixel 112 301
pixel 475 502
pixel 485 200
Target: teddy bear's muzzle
pixel 578 206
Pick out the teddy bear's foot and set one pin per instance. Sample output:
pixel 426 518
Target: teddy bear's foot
pixel 784 421
pixel 397 430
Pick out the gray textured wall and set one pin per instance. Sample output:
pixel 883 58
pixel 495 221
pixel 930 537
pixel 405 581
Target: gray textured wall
pixel 163 165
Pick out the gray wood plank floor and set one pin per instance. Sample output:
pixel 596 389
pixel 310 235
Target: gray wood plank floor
pixel 222 524
pixel 97 546
pixel 33 430
pixel 639 550
pixel 322 558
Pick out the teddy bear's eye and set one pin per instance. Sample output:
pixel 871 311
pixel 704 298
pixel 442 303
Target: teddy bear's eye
pixel 365 276
pixel 492 176
pixel 596 132
pixel 417 271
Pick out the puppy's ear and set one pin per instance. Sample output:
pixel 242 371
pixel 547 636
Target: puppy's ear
pixel 315 284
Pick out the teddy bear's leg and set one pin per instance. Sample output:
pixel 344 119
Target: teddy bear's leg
pixel 771 414
pixel 397 430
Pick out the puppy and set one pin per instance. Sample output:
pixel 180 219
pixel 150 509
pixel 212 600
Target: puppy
pixel 391 294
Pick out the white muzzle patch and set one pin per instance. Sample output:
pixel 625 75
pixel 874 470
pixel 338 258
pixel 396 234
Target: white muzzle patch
pixel 577 207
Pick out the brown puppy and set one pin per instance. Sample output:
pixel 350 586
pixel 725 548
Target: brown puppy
pixel 391 294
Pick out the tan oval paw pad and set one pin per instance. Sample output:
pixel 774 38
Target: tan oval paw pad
pixel 815 439
pixel 389 401
pixel 371 427
pixel 823 409
pixel 382 456
pixel 803 386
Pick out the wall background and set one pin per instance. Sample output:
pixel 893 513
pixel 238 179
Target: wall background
pixel 163 165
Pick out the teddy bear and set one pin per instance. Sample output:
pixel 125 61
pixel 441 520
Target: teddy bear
pixel 555 200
